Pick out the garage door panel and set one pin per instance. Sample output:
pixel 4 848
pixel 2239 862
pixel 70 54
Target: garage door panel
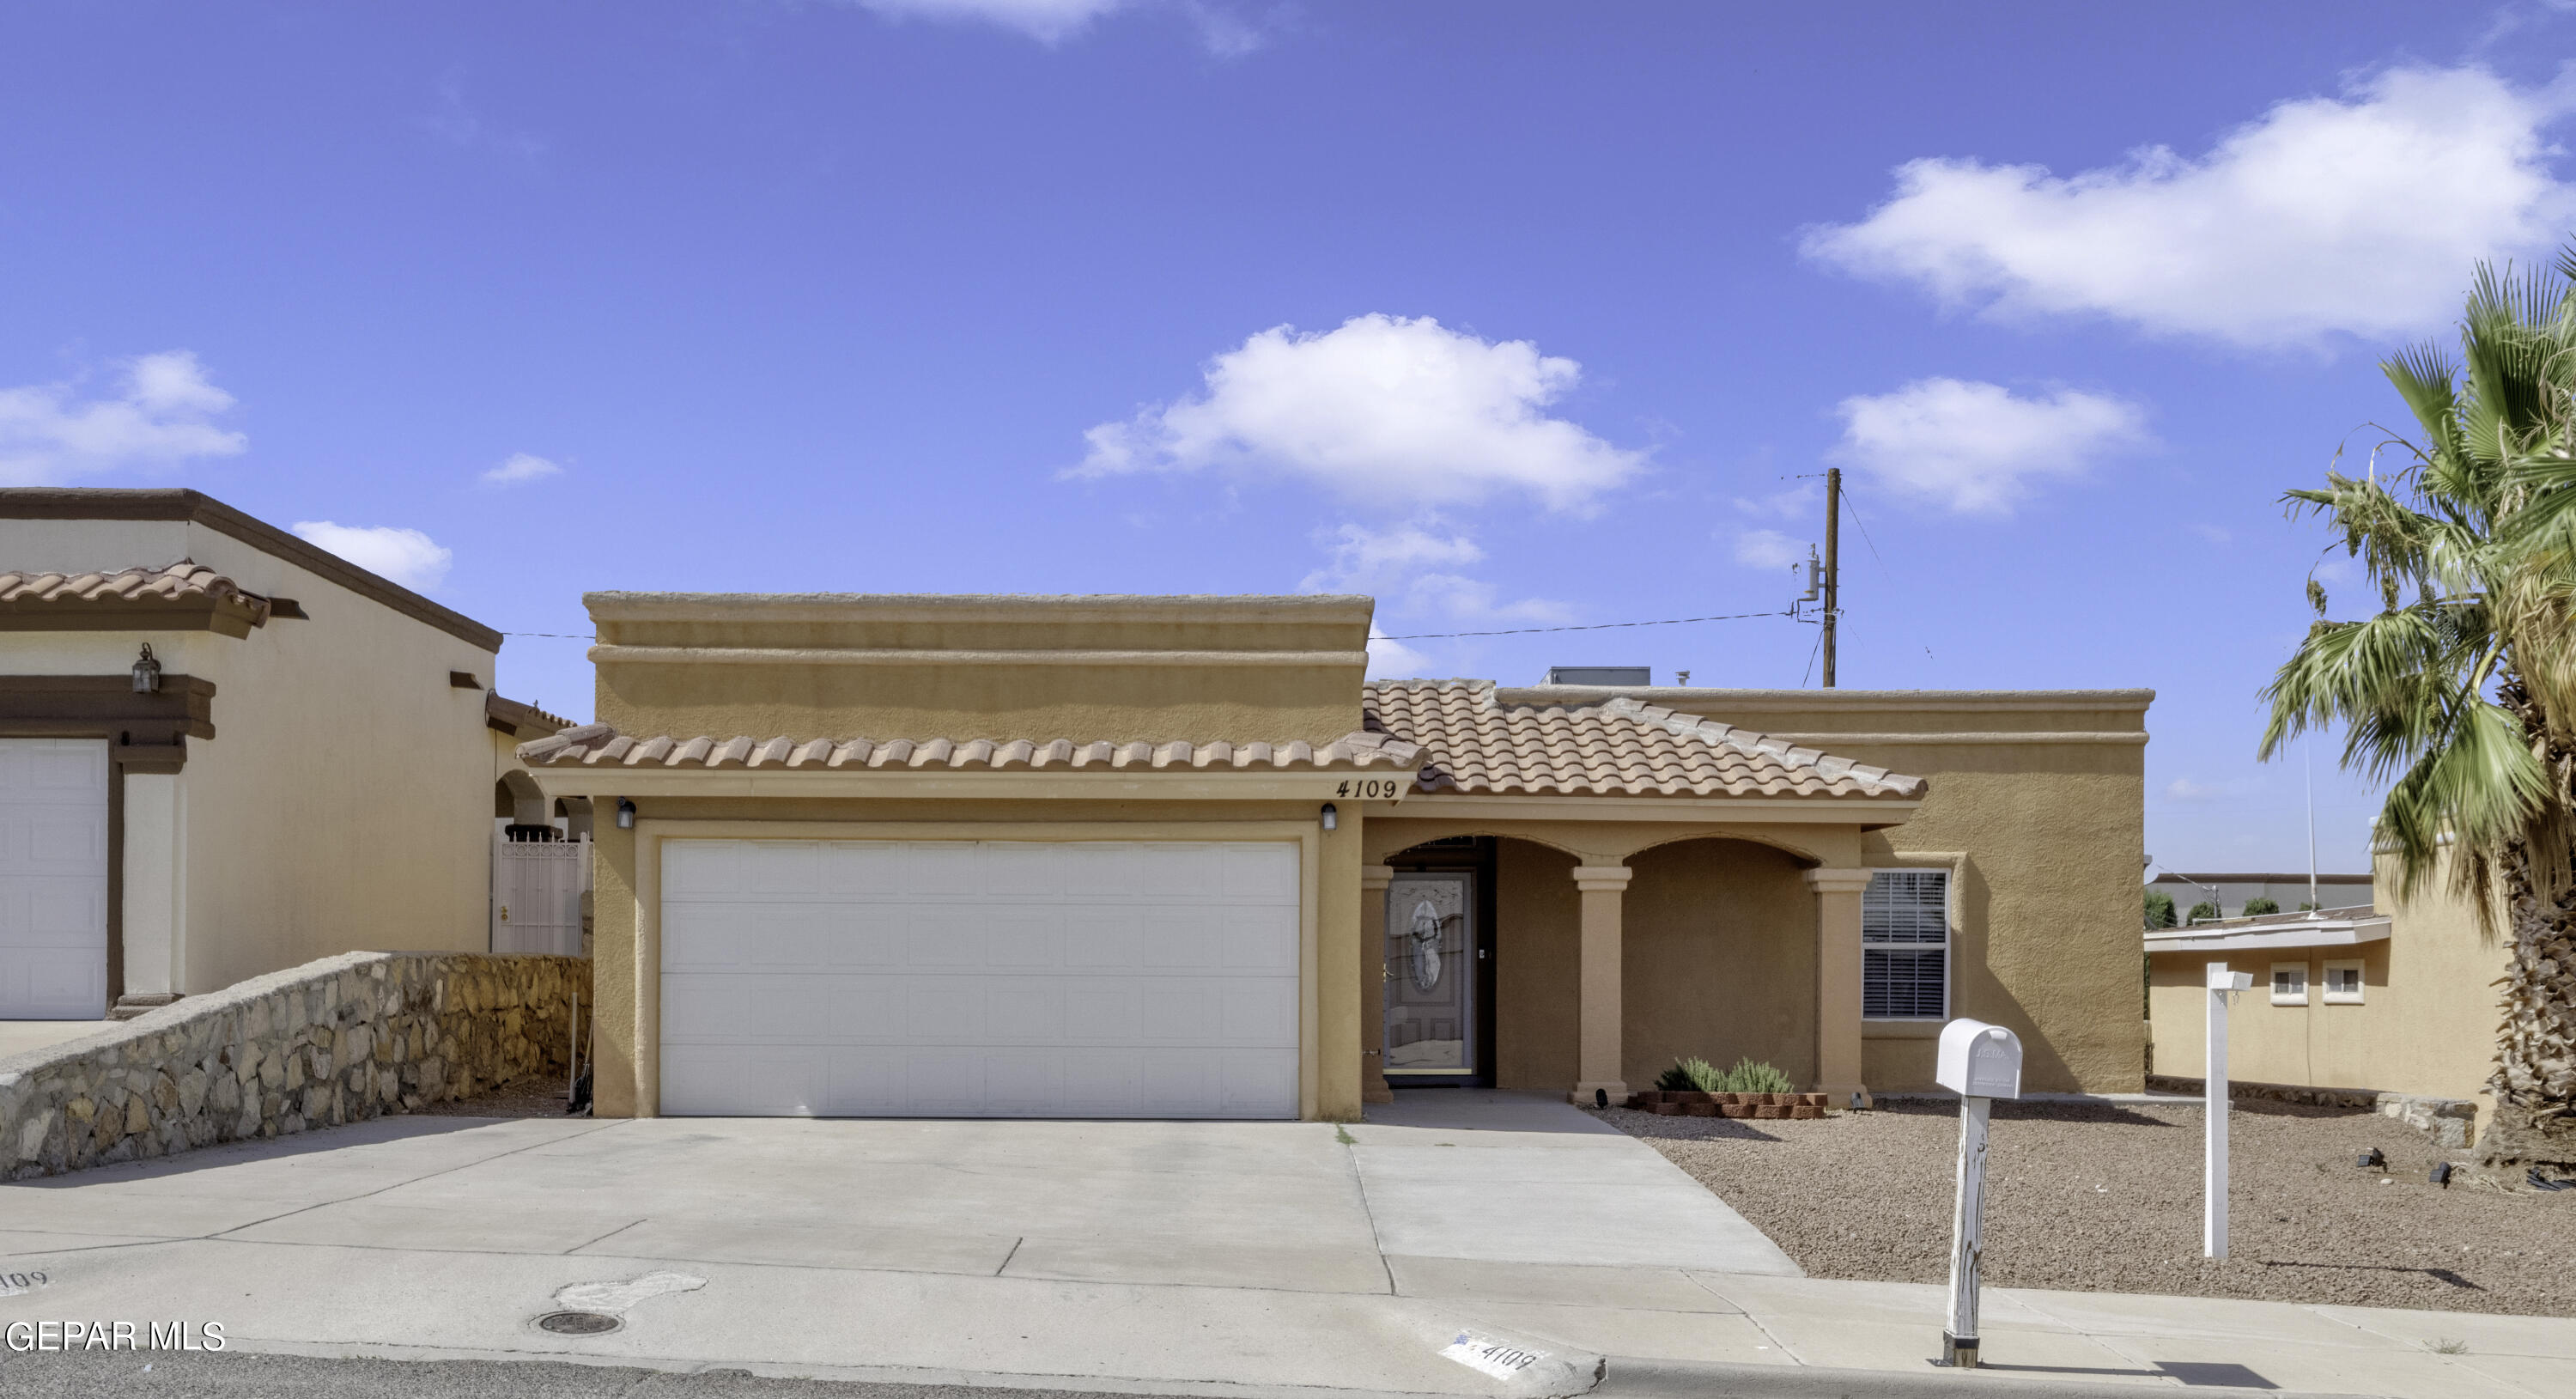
pixel 992 979
pixel 1023 937
pixel 940 867
pixel 1101 937
pixel 53 878
pixel 695 868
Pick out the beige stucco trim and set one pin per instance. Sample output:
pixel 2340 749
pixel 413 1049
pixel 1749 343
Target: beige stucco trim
pixel 874 655
pixel 1312 1099
pixel 1830 881
pixel 972 607
pixel 2037 736
pixel 1901 1029
pixel 1838 982
pixel 1841 811
pixel 1601 1000
pixel 1144 784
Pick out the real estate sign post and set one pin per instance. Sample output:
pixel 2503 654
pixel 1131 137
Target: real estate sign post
pixel 1979 1062
pixel 2213 1156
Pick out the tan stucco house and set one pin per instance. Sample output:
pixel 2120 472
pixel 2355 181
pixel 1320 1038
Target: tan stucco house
pixel 306 763
pixel 2395 997
pixel 1175 856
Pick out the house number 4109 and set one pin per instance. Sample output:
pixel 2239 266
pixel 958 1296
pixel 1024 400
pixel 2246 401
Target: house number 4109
pixel 1388 788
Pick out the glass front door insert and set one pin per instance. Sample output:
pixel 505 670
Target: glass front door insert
pixel 1431 973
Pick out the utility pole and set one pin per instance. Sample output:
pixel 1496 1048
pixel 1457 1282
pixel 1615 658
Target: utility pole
pixel 1833 563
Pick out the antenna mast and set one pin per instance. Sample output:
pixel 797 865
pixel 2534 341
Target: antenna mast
pixel 1833 566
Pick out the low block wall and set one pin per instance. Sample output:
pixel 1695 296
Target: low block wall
pixel 2448 1121
pixel 340 1040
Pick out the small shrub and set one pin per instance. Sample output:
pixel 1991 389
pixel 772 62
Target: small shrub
pixel 2309 905
pixel 1692 1076
pixel 2202 912
pixel 2160 909
pixel 1750 1077
pixel 2255 906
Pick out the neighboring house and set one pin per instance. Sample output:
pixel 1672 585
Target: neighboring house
pixel 2393 999
pixel 1123 856
pixel 2290 891
pixel 305 765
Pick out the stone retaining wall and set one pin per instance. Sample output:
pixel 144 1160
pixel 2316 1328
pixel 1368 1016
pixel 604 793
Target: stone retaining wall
pixel 340 1040
pixel 2448 1121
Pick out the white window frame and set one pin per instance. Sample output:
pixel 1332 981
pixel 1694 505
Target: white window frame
pixel 2297 969
pixel 1949 873
pixel 2334 997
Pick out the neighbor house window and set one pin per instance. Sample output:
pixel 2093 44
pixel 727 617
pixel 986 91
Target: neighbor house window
pixel 2343 983
pixel 2289 983
pixel 1905 945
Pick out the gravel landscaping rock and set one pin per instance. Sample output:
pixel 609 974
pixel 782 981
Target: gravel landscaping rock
pixel 2105 1198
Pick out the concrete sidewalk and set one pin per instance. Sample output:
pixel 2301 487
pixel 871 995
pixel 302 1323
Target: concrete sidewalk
pixel 1221 1258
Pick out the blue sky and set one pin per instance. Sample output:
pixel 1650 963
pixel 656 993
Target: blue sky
pixel 1514 315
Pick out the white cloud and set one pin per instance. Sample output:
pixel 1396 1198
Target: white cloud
pixel 2358 215
pixel 1977 447
pixel 1047 21
pixel 1769 548
pixel 1365 560
pixel 1393 659
pixel 161 416
pixel 404 556
pixel 1406 568
pixel 521 467
pixel 1384 411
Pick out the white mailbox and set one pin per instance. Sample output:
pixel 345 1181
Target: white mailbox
pixel 1979 1060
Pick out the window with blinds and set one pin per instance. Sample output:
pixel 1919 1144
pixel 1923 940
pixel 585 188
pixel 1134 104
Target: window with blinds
pixel 1905 945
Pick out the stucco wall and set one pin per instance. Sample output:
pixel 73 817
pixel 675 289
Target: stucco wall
pixel 1720 963
pixel 345 801
pixel 1257 669
pixel 1537 918
pixel 2426 1024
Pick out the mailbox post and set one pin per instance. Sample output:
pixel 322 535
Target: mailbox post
pixel 2223 986
pixel 1980 1063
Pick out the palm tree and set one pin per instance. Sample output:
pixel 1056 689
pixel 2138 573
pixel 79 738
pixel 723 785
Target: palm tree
pixel 2460 693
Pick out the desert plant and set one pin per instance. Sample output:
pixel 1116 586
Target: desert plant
pixel 2202 912
pixel 1750 1077
pixel 2309 905
pixel 2460 692
pixel 2260 905
pixel 2160 909
pixel 1692 1076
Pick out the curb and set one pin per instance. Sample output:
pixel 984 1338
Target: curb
pixel 1694 1379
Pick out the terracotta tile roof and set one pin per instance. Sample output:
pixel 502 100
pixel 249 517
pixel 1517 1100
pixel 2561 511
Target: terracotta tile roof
pixel 598 745
pixel 1620 747
pixel 184 584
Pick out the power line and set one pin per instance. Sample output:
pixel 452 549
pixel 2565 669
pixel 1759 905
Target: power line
pixel 1593 626
pixel 553 635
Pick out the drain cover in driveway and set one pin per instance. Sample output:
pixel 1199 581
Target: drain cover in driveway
pixel 578 1323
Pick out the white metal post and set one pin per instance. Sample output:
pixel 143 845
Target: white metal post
pixel 2213 1157
pixel 1967 1235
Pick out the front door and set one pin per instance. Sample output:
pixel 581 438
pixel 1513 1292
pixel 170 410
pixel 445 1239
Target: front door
pixel 1431 973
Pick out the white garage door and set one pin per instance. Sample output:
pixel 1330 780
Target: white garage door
pixel 53 878
pixel 979 979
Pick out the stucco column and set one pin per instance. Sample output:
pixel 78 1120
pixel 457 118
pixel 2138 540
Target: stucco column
pixel 1373 882
pixel 1598 1048
pixel 1838 977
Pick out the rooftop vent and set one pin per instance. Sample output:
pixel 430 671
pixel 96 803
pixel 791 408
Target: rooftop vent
pixel 1601 675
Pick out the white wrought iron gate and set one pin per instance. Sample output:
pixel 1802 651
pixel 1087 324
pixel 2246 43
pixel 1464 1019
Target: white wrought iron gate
pixel 536 895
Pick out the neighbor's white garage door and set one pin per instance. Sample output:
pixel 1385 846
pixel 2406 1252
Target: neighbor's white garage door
pixel 979 979
pixel 53 878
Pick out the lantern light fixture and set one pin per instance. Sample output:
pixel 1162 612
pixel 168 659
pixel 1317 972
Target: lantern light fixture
pixel 1332 817
pixel 625 814
pixel 147 672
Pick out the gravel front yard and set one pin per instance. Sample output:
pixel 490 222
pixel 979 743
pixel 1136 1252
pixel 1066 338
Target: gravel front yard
pixel 2103 1198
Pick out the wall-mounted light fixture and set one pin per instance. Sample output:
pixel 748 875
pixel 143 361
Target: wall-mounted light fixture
pixel 1332 818
pixel 147 672
pixel 625 814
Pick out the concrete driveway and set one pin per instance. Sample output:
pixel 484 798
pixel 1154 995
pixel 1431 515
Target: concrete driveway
pixel 1081 1248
